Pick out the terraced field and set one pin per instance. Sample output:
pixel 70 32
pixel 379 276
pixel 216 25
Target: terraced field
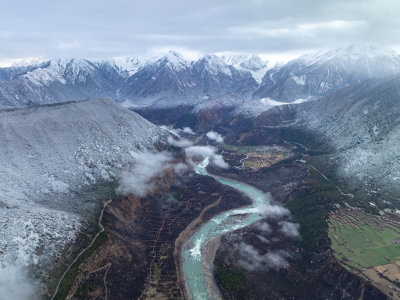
pixel 255 157
pixel 368 245
pixel 361 240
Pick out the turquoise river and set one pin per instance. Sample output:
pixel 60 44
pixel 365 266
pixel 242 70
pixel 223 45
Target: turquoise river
pixel 223 223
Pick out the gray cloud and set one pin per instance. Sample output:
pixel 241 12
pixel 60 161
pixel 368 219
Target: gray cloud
pixel 91 28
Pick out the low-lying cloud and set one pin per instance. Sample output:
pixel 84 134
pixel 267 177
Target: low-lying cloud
pixel 274 211
pixel 178 131
pixel 252 259
pixel 138 181
pixel 215 136
pixel 263 227
pixel 289 229
pixel 201 152
pixel 15 284
pixel 181 143
pixel 198 152
pixel 268 254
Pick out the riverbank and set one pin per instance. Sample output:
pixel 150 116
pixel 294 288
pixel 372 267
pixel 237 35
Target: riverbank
pixel 180 243
pixel 197 278
pixel 209 252
pixel 312 272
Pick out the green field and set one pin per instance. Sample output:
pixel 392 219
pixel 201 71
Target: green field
pixel 366 246
pixel 254 149
pixel 240 149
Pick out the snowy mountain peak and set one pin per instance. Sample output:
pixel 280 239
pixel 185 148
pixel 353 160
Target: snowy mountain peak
pixel 172 59
pixel 318 74
pixel 124 65
pixel 60 70
pixel 213 64
pixel 245 62
pixel 350 54
pixel 28 63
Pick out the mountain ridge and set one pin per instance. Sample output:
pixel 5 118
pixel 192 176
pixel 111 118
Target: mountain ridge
pixel 171 80
pixel 57 162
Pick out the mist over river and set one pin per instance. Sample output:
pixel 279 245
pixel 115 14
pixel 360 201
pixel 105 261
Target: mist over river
pixel 223 223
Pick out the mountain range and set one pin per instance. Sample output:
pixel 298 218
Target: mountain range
pixel 165 81
pixel 213 80
pixel 60 152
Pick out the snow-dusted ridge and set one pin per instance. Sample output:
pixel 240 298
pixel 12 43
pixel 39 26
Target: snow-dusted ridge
pixel 248 62
pixel 171 80
pixel 317 74
pixel 362 123
pixel 56 162
pixel 256 107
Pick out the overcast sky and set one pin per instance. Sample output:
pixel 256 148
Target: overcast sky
pixel 97 29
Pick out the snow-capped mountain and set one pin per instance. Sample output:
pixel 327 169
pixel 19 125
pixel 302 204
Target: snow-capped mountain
pixel 252 63
pixel 60 80
pixel 56 163
pixel 165 81
pixel 172 81
pixel 362 123
pixel 219 78
pixel 318 74
pixel 255 107
pixel 213 80
pixel 125 66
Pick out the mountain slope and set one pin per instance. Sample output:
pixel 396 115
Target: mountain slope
pixel 212 81
pixel 316 75
pixel 251 63
pixel 165 81
pixel 56 163
pixel 363 124
pixel 172 81
pixel 60 80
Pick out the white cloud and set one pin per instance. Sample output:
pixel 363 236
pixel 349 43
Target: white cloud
pixel 298 29
pixel 289 229
pixel 215 136
pixel 147 165
pixel 180 169
pixel 250 258
pixel 177 142
pixel 201 152
pixel 274 211
pixel 15 284
pixel 264 227
pixel 188 130
pixel 177 131
pixel 138 180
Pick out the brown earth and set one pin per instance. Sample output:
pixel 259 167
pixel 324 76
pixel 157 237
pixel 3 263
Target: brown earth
pixel 138 260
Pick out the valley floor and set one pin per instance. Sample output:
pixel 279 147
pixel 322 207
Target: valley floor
pixel 342 252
